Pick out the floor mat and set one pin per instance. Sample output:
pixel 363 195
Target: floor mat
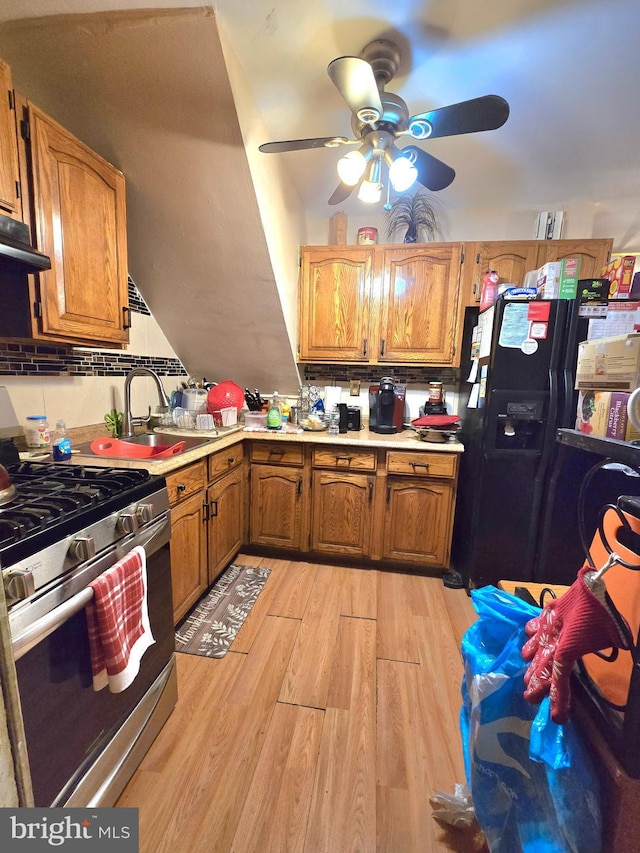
pixel 214 622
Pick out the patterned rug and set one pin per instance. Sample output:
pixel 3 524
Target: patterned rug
pixel 214 622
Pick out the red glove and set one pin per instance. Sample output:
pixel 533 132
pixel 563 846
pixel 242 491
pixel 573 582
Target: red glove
pixel 576 624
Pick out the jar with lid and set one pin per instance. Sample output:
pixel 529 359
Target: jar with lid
pixel 37 432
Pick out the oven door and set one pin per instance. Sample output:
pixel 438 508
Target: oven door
pixel 67 724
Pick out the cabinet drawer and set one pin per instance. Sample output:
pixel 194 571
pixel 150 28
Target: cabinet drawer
pixel 185 482
pixel 225 460
pixel 277 453
pixel 344 458
pixel 422 464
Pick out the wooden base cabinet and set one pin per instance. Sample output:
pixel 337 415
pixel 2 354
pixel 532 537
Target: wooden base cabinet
pixel 419 507
pixel 277 502
pixel 347 502
pixel 341 513
pixel 225 509
pixel 188 544
pixel 417 521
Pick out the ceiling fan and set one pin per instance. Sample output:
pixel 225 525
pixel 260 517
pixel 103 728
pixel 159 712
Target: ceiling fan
pixel 379 118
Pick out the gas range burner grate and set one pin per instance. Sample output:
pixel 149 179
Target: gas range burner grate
pixel 56 500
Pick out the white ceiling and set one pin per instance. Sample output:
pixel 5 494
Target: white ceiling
pixel 568 70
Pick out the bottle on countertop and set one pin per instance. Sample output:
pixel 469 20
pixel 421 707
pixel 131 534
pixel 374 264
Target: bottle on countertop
pixel 61 443
pixel 274 412
pixel 37 432
pixel 334 421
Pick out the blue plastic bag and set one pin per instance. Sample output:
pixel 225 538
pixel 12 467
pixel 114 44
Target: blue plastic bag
pixel 533 785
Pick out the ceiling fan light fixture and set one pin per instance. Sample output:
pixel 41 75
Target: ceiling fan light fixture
pixel 351 167
pixel 370 191
pixel 402 174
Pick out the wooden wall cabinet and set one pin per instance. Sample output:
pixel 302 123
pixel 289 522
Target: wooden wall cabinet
pixel 188 546
pixel 225 509
pixel 10 188
pixel 513 258
pixel 379 305
pixel 74 202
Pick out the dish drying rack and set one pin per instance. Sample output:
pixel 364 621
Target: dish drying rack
pixel 186 419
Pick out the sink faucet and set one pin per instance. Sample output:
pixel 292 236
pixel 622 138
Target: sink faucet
pixel 129 422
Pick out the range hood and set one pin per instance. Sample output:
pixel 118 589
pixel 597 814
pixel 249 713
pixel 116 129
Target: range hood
pixel 16 252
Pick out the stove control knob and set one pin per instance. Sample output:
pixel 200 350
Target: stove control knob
pixel 83 547
pixel 127 522
pixel 144 513
pixel 18 584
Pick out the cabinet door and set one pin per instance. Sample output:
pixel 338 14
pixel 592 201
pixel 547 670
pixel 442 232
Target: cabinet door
pixel 418 521
pixel 335 300
pixel 342 507
pixel 511 259
pixel 188 554
pixel 10 201
pixel 226 504
pixel 80 222
pixel 418 310
pixel 277 506
pixel 593 254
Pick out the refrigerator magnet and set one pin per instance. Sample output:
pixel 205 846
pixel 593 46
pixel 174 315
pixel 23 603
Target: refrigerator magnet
pixel 538 331
pixel 529 346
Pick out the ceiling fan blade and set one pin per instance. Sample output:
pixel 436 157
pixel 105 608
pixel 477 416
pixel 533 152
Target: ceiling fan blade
pixel 353 77
pixel 432 173
pixel 341 193
pixel 486 113
pixel 300 144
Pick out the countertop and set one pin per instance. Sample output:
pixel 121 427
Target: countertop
pixel 406 440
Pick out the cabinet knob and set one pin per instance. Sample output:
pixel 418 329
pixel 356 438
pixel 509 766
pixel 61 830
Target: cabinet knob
pixel 181 487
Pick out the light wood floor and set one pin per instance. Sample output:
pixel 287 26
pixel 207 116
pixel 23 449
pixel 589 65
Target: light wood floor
pixel 325 728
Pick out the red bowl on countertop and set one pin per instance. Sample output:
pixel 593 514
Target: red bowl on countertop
pixel 224 395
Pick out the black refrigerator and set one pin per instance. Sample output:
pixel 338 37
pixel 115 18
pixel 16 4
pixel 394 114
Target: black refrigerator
pixel 517 500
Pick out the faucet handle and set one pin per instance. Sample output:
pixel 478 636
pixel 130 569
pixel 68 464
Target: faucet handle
pixel 140 421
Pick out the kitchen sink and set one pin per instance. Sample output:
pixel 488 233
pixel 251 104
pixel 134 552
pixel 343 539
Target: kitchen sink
pixel 146 446
pixel 162 439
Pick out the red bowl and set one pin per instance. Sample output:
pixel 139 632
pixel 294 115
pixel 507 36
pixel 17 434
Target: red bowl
pixel 223 395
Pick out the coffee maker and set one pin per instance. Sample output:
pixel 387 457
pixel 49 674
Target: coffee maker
pixel 386 406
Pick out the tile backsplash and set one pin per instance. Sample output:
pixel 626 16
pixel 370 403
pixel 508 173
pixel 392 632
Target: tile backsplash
pixel 80 384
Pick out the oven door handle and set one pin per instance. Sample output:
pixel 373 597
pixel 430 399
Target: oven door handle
pixel 47 624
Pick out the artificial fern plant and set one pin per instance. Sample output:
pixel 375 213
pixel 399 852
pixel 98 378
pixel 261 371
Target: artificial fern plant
pixel 418 213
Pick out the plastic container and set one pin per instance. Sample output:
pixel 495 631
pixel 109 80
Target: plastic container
pixel 255 420
pixel 37 432
pixel 61 443
pixel 194 400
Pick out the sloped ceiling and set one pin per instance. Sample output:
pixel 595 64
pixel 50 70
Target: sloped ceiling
pixel 198 245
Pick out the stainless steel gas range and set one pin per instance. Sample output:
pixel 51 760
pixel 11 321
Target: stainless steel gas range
pixel 64 527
